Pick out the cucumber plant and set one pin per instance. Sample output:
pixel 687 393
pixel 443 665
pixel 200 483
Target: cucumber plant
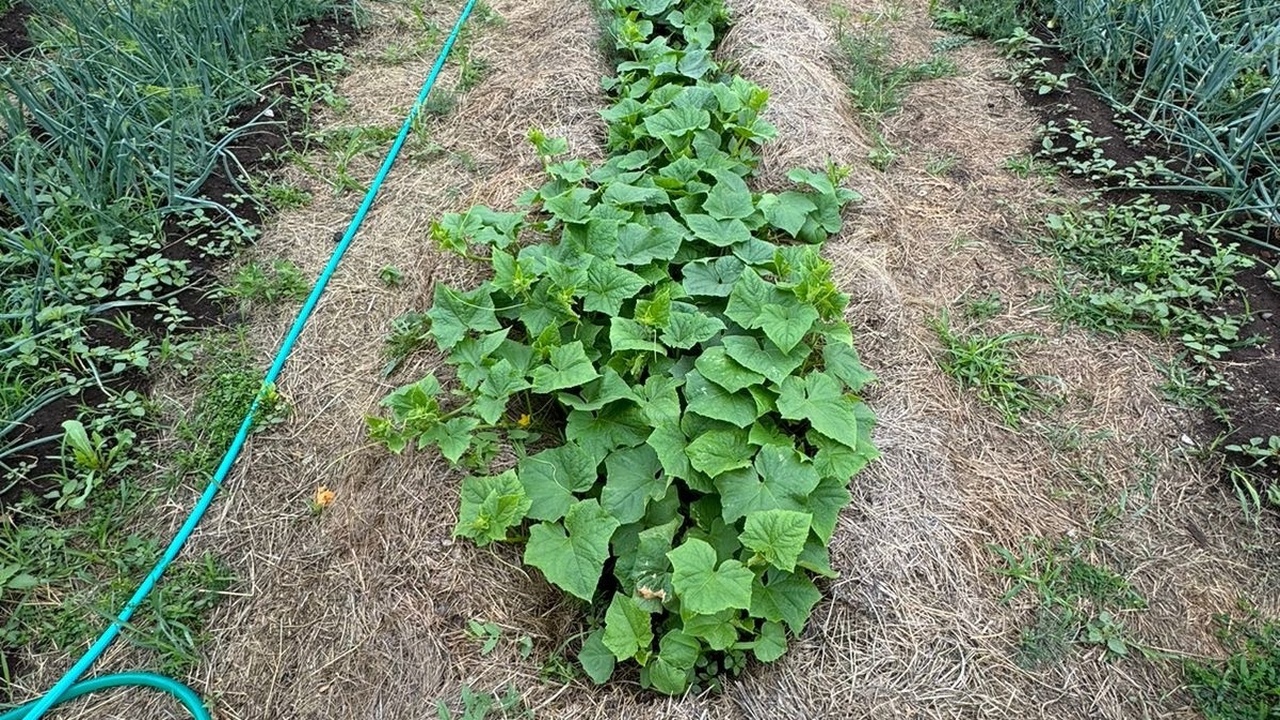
pixel 683 342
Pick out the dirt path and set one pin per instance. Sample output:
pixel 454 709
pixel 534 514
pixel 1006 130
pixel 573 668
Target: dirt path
pixel 361 612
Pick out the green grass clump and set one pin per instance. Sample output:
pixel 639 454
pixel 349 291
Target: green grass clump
pixel 989 365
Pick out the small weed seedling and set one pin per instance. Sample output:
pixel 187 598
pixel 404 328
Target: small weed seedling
pixel 984 307
pixel 391 276
pixel 487 633
pixel 409 333
pixel 486 706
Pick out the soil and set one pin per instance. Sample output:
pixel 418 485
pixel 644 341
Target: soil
pixel 13 30
pixel 1252 405
pixel 254 152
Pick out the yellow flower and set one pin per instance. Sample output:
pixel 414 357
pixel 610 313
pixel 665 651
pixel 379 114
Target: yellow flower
pixel 324 497
pixel 524 420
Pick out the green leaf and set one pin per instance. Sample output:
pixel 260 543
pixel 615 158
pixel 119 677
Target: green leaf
pixel 787 323
pixel 633 477
pixel 619 193
pixel 712 278
pixel 645 570
pixel 596 659
pixel 453 313
pixel 572 554
pixel 608 286
pixel 612 426
pixel 785 597
pixel 710 400
pixel 676 122
pixel 642 244
pixel 771 643
pixel 716 630
pixel 660 400
pixel 453 436
pixel 627 629
pixel 669 672
pixel 609 387
pixel 572 206
pixel 470 354
pixel 777 535
pixel 825 503
pixel 729 199
pixel 719 451
pixel 788 211
pixel 819 399
pixel 669 443
pixel 491 505
pixel 765 359
pixel 750 295
pixel 552 476
pixel 702 587
pixel 686 329
pixel 502 381
pixel 655 311
pixel 721 233
pixel 780 480
pixel 716 366
pixel 568 367
pixel 816 558
pixel 627 334
pixel 842 362
pixel 696 63
pixel 838 460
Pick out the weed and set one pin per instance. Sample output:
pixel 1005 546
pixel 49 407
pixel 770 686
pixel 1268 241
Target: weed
pixel 882 156
pixel 1026 165
pixel 228 383
pixel 485 706
pixel 1142 277
pixel 875 87
pixel 391 276
pixel 487 633
pixel 993 19
pixel 1246 685
pixel 940 165
pixel 1072 600
pixel 258 284
pixel 984 307
pixel 283 196
pixel 410 332
pixel 440 103
pixel 988 364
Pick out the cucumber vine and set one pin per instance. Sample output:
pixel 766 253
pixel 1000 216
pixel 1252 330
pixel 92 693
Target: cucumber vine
pixel 682 340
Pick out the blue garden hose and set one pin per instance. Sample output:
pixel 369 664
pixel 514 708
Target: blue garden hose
pixel 69 686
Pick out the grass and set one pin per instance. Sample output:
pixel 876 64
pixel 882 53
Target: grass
pixel 1072 600
pixel 988 364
